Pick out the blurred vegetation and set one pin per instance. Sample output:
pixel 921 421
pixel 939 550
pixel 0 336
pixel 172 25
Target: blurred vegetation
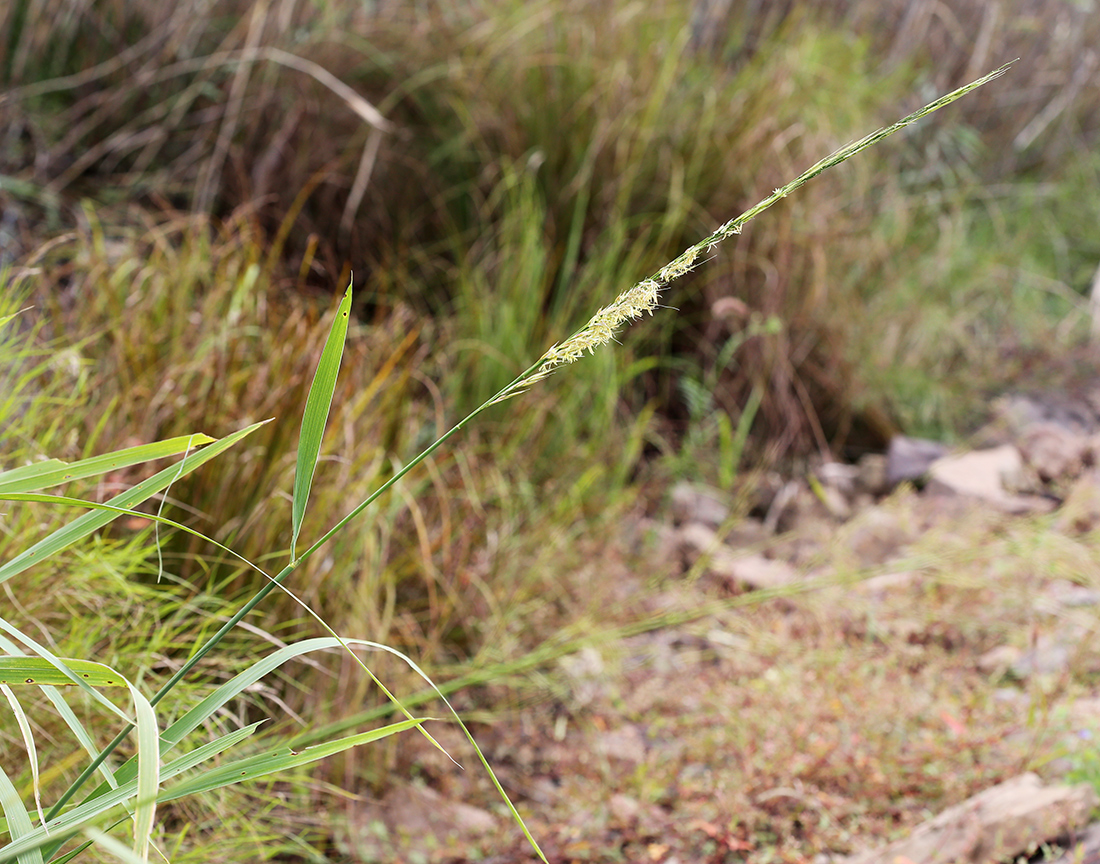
pixel 180 197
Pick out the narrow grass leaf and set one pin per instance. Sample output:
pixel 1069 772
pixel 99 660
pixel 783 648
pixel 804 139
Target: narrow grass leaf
pixel 205 709
pixel 65 712
pixel 79 732
pixel 64 501
pixel 209 706
pixel 19 823
pixel 51 472
pixel 61 666
pixel 92 810
pixel 37 671
pixel 4 319
pixel 113 847
pixel 28 740
pixel 281 759
pixel 316 415
pixel 91 522
pixel 148 779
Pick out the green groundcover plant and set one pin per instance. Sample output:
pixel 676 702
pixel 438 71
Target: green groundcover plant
pixel 129 794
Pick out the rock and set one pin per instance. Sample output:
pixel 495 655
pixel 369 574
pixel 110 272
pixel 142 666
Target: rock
pixel 1014 414
pixel 694 503
pixel 877 587
pixel 999 824
pixel 738 570
pixel 877 536
pixel 624 809
pixel 587 676
pixel 1082 847
pixel 1049 656
pixel 982 474
pixel 837 475
pixel 1054 452
pixel 836 503
pixel 997 661
pixel 1080 513
pixel 625 744
pixel 754 572
pixel 414 818
pixel 1063 594
pixel 874 474
pixel 910 458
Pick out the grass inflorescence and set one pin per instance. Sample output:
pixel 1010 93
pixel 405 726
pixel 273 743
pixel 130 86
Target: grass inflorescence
pixel 496 178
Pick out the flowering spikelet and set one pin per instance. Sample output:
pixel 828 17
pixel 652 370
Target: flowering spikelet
pixel 644 296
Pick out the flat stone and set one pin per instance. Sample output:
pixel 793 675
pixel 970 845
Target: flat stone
pixel 874 476
pixel 1080 512
pixel 747 572
pixel 1055 452
pixel 694 503
pixel 997 661
pixel 1050 656
pixel 910 458
pixel 879 586
pixel 625 744
pixel 414 819
pixel 982 474
pixel 999 824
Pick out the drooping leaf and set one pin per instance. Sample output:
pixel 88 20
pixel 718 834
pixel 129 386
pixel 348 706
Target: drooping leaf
pixel 90 522
pixel 316 415
pixel 18 823
pixel 51 472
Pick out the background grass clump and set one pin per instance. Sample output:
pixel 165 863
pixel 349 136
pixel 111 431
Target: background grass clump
pixel 178 201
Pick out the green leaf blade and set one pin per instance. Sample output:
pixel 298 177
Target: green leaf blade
pixel 280 759
pixel 51 472
pixel 316 413
pixel 91 522
pixel 19 822
pixel 22 671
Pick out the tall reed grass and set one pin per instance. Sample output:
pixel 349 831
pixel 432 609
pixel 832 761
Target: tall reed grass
pixel 129 794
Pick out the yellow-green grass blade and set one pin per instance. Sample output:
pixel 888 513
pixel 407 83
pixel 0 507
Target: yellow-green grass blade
pixel 64 501
pixel 51 472
pixel 90 522
pixel 79 732
pixel 316 415
pixel 280 759
pixel 148 779
pixel 113 847
pixel 61 667
pixel 17 822
pixel 15 671
pixel 66 713
pixel 88 812
pixel 206 708
pixel 28 741
pixel 238 684
pixel 4 319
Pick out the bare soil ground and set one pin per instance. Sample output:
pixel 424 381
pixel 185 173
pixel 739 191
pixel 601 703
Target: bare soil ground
pixel 932 647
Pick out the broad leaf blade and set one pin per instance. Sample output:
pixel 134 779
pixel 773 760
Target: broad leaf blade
pixel 316 415
pixel 51 472
pixel 90 522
